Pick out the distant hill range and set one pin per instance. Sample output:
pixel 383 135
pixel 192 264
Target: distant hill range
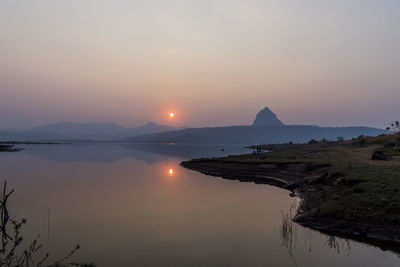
pixel 254 134
pixel 81 131
pixel 266 129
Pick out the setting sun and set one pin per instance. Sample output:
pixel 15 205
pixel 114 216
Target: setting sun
pixel 171 172
pixel 171 115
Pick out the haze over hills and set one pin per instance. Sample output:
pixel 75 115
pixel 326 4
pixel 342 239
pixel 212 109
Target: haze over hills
pixel 266 129
pixel 81 131
pixel 254 134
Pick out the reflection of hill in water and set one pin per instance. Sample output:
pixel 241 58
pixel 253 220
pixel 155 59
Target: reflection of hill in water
pixel 150 153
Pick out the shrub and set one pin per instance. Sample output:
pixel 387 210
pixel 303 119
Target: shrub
pixel 340 139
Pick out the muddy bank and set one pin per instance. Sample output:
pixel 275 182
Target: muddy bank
pixel 315 184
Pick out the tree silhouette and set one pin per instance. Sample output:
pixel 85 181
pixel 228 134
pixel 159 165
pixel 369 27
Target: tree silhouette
pixel 394 126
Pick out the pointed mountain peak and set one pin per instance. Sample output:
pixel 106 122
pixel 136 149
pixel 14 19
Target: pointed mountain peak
pixel 267 118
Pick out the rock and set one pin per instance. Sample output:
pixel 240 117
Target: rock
pixel 350 182
pixel 316 179
pixel 378 155
pixel 311 179
pixel 291 186
pixel 333 176
pixel 267 118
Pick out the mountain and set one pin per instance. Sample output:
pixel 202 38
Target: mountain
pixel 149 128
pixel 267 118
pixel 266 129
pixel 250 135
pixel 81 131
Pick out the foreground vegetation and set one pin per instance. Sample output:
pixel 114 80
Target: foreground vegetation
pixel 349 187
pixel 14 252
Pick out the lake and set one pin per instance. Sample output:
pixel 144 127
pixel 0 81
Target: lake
pixel 133 205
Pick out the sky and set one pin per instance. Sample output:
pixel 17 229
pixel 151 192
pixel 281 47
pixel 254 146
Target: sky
pixel 213 63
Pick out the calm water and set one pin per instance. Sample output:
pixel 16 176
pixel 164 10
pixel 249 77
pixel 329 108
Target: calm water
pixel 133 205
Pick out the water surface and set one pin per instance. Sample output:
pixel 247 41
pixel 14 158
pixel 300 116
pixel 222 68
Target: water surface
pixel 133 205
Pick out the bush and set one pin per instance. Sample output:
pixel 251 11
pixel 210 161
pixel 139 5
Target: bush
pixel 360 141
pixel 340 139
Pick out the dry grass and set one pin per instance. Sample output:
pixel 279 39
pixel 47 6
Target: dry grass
pixel 366 189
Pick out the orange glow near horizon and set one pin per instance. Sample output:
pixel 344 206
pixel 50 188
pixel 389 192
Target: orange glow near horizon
pixel 171 172
pixel 146 65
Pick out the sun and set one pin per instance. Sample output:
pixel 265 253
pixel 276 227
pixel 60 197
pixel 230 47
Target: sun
pixel 171 115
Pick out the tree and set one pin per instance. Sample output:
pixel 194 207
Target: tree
pixel 395 127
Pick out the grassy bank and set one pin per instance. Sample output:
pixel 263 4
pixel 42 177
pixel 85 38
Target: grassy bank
pixel 342 188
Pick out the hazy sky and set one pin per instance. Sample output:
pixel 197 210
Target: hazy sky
pixel 212 62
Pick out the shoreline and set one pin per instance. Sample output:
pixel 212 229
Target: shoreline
pixel 314 184
pixel 9 148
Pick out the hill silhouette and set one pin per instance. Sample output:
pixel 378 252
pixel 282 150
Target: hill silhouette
pixel 254 134
pixel 81 131
pixel 267 118
pixel 266 129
